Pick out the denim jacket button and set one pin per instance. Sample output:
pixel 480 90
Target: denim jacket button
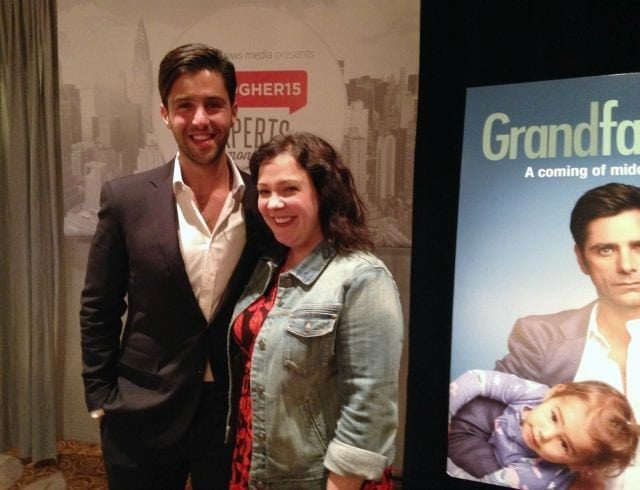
pixel 308 327
pixel 262 345
pixel 286 282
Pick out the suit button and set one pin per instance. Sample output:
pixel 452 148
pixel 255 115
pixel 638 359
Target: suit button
pixel 199 372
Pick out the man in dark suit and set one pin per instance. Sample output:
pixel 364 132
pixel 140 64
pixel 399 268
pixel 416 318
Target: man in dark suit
pixel 599 341
pixel 173 248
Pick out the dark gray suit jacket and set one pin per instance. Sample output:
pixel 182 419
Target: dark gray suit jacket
pixel 542 348
pixel 148 376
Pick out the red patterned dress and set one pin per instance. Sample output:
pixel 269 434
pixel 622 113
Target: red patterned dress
pixel 245 331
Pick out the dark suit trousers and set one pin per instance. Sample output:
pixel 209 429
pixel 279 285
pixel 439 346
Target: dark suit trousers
pixel 201 453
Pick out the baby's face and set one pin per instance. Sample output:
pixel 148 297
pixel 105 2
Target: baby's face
pixel 556 430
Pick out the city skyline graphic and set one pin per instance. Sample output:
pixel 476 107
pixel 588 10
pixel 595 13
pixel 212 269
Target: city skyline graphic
pixel 109 131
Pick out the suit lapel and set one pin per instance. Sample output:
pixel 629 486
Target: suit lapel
pixel 249 254
pixel 575 330
pixel 162 207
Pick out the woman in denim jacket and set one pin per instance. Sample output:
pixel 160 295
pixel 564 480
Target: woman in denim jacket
pixel 316 337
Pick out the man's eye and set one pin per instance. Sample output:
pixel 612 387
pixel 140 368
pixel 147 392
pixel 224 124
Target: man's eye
pixel 605 251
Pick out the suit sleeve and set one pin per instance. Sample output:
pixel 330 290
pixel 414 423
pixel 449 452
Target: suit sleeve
pixel 470 430
pixel 103 303
pixel 527 348
pixel 484 395
pixel 472 425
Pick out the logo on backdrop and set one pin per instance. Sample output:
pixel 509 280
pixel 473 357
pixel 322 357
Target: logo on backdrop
pixel 272 89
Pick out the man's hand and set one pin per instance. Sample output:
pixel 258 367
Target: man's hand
pixel 96 414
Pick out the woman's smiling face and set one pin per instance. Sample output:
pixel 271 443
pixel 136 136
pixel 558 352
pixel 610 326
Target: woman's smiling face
pixel 288 202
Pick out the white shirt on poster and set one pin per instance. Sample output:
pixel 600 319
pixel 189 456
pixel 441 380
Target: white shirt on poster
pixel 596 365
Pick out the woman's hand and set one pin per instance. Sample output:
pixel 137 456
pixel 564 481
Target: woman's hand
pixel 339 482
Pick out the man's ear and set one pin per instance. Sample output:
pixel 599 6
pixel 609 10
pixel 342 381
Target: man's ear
pixel 165 114
pixel 581 260
pixel 234 114
pixel 554 390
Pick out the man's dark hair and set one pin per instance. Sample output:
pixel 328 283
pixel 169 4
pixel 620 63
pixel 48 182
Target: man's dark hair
pixel 342 212
pixel 192 58
pixel 601 202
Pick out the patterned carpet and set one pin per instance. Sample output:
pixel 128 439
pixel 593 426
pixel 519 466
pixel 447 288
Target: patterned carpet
pixel 79 466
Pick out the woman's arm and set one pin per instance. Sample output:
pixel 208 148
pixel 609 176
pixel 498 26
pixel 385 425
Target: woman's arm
pixel 367 350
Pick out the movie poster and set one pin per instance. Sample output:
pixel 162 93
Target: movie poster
pixel 530 151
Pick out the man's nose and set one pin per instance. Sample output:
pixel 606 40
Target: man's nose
pixel 628 261
pixel 200 116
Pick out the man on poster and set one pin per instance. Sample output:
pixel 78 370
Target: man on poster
pixel 600 341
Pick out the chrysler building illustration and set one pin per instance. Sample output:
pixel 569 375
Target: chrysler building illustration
pixel 142 87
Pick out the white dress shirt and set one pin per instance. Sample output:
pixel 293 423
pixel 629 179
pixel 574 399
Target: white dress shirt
pixel 597 365
pixel 210 256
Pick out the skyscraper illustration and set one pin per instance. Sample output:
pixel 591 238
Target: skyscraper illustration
pixel 142 79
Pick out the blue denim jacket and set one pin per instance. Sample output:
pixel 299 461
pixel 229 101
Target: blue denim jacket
pixel 324 373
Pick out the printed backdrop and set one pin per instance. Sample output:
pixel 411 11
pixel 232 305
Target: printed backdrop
pixel 344 69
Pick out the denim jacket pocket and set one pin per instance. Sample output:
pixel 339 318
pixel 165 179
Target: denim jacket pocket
pixel 309 343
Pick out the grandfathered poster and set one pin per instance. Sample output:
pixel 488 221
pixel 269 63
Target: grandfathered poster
pixel 530 150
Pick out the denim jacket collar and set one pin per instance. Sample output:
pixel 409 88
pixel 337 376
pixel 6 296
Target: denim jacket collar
pixel 312 266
